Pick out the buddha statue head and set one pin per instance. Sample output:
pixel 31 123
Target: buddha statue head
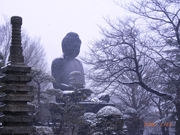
pixel 71 45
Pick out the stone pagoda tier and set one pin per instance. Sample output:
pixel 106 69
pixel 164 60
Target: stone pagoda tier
pixel 17 115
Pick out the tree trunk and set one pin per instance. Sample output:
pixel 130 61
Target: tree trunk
pixel 69 128
pixel 39 88
pixel 177 127
pixel 164 130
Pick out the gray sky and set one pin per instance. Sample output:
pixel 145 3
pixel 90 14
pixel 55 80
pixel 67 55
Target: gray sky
pixel 53 19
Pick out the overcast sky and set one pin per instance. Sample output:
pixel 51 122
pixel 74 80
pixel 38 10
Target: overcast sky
pixel 53 19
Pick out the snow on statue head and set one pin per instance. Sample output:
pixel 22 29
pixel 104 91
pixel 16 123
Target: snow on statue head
pixel 62 67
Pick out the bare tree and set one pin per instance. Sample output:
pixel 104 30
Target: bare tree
pixel 40 81
pixel 33 51
pixel 122 51
pixel 163 19
pixel 114 60
pixel 72 114
pixel 1 63
pixel 40 77
pixel 164 108
pixel 5 40
pixel 135 97
pixel 125 49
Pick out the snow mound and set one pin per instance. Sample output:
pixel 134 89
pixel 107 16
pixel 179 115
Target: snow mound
pixel 109 111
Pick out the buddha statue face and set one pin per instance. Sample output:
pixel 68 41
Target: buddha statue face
pixel 71 45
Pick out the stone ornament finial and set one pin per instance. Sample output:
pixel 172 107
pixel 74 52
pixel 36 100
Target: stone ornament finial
pixel 16 22
pixel 16 56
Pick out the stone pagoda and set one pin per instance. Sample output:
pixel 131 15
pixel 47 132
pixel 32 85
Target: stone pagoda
pixel 17 115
